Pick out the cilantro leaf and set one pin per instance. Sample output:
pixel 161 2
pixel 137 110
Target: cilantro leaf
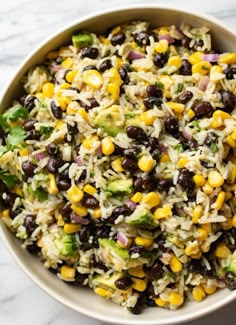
pixel 159 84
pixel 40 194
pixel 179 148
pixel 46 130
pixel 8 179
pixel 214 148
pixel 16 112
pixel 179 88
pixel 129 116
pixel 15 137
pixel 196 124
pixel 3 122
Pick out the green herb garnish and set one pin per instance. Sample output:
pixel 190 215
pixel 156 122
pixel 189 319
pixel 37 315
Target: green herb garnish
pixel 159 84
pixel 179 148
pixel 129 116
pixel 40 194
pixel 196 124
pixel 8 179
pixel 46 130
pixel 13 115
pixel 179 88
pixel 214 148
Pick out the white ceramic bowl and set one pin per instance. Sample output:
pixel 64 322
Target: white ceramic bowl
pixel 81 299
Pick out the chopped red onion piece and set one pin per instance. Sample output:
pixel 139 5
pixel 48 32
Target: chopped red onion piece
pixel 79 161
pixel 103 257
pixel 221 283
pixel 81 220
pixel 55 68
pixel 53 226
pixel 133 55
pixel 99 150
pixel 163 148
pixel 167 37
pixel 60 74
pixel 131 204
pixel 212 57
pixel 40 155
pixel 203 83
pixel 122 238
pixel 187 134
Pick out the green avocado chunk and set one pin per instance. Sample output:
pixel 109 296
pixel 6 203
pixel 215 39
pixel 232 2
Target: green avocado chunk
pixel 107 281
pixel 82 39
pixel 141 217
pixel 110 121
pixel 121 186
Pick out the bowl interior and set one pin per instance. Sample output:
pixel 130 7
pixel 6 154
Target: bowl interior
pixel 81 299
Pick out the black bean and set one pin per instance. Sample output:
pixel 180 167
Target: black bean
pixel 9 199
pixel 72 129
pixel 198 43
pixel 136 133
pixel 131 152
pixel 154 91
pixel 192 144
pixel 124 74
pixel 89 52
pixel 29 124
pixel 30 102
pixel 137 309
pixel 160 60
pixel 56 110
pixel 130 165
pixel 149 183
pixel 228 99
pixel 118 39
pixel 150 102
pixel 123 283
pixel 90 202
pixel 30 224
pixel 186 181
pixel 66 211
pixel 153 143
pixel 155 36
pixel 14 213
pixel 89 67
pixel 53 149
pixel 142 38
pixel 83 234
pixel 202 108
pixel 136 250
pixel 230 72
pixel 103 231
pixel 33 249
pixel 122 210
pixel 53 165
pixel 186 68
pixel 155 271
pixel 164 184
pixel 138 184
pixel 93 103
pixel 211 138
pixel 185 41
pixel 79 279
pixel 82 176
pixel 171 125
pixel 63 184
pixel 32 135
pixel 105 65
pixel 196 266
pixel 184 97
pixel 28 168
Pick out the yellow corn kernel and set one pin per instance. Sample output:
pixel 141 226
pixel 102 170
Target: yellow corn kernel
pixel 202 234
pixel 59 125
pixel 191 114
pixel 199 180
pixel 162 31
pixel 176 298
pixel 207 189
pixel 116 165
pixel 221 114
pixel 165 158
pixel 75 194
pixel 113 90
pixel 137 271
pixel 148 117
pixel 182 162
pixel 89 189
pixel 231 142
pixel 198 293
pixel 196 57
pixel 192 248
pixel 82 112
pixel 146 163
pixel 108 146
pixel 71 228
pixel 104 293
pixel 176 107
pixel 209 290
pixel 93 79
pixel 227 224
pixel 197 213
pixel 70 76
pixel 139 284
pixel 197 255
pixel 216 73
pixel 175 61
pixel 228 196
pixel 227 58
pixel 222 251
pixel 125 246
pixel 233 135
pixel 63 102
pixel 80 210
pixel 215 179
pixel 67 63
pixel 220 200
pixel 152 199
pixel 234 221
pixel 64 86
pixel 48 90
pixel 137 197
pixel 60 221
pixel 164 212
pixel 116 30
pixel 53 55
pixel 119 62
pixel 106 41
pixel 202 67
pixel 114 76
pixel 96 214
pixel 141 241
pixel 52 186
pixel 207 227
pixel 23 152
pixel 159 302
pixel 88 143
pixel 5 213
pixel 67 272
pixel 161 46
pixel 175 265
pixel 18 190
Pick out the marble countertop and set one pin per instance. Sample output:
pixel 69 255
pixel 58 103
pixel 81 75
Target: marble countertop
pixel 24 24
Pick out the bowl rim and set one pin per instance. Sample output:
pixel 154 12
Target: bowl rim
pixel 48 290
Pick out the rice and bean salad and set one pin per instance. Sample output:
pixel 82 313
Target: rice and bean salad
pixel 118 165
